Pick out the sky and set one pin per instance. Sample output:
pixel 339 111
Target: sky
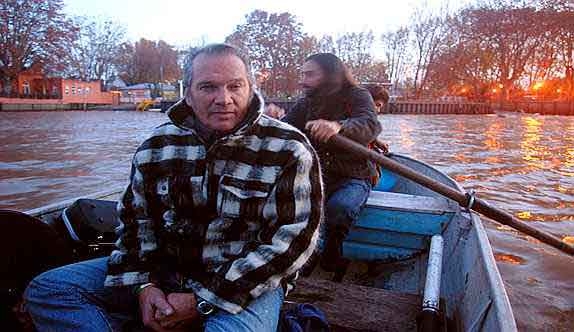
pixel 185 23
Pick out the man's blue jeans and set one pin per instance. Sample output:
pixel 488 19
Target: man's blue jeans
pixel 73 298
pixel 345 200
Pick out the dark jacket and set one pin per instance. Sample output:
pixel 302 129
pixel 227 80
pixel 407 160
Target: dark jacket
pixel 233 219
pixel 354 108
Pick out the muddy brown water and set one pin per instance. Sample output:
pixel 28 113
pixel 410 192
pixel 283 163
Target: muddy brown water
pixel 522 163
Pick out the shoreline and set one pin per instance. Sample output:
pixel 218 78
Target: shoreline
pixel 61 108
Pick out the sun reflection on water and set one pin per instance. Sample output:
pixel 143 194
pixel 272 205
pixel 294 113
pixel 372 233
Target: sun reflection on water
pixel 405 135
pixel 507 258
pixel 492 140
pixel 531 147
pixel 569 157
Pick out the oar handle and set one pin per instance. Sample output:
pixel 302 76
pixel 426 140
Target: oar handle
pixel 462 199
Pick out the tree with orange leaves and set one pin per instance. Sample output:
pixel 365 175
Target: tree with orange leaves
pixel 32 32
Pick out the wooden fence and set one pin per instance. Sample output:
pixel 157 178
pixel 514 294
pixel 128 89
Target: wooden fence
pixel 427 107
pixel 540 107
pixel 421 107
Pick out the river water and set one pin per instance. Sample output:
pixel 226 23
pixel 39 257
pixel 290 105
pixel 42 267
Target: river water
pixel 522 163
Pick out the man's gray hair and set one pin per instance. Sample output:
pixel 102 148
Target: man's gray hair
pixel 215 49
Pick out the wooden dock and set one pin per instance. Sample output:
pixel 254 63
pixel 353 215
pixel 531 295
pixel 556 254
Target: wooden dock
pixel 429 107
pixel 541 107
pixel 420 107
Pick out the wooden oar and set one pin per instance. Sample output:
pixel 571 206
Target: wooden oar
pixel 462 199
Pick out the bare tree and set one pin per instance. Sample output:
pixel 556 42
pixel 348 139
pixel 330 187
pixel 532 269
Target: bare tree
pixel 148 61
pixel 93 54
pixel 563 20
pixel 354 49
pixel 327 44
pixel 395 45
pixel 374 72
pixel 513 40
pixel 428 32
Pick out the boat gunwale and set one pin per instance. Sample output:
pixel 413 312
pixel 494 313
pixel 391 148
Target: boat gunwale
pixel 504 312
pixel 60 205
pixel 501 301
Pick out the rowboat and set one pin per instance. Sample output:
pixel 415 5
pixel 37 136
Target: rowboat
pixel 418 261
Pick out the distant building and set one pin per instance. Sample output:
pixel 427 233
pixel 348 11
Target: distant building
pixel 77 91
pixel 137 93
pixel 115 84
pixel 32 83
pixel 33 87
pixel 168 92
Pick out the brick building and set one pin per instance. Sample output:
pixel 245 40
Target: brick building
pixel 33 87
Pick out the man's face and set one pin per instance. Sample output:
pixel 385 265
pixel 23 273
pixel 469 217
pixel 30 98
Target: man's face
pixel 311 77
pixel 219 92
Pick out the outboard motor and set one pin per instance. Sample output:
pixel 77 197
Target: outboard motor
pixel 28 247
pixel 89 226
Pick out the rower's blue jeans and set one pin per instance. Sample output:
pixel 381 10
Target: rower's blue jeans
pixel 73 298
pixel 345 201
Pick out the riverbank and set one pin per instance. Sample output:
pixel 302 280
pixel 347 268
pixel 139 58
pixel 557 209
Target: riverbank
pixel 402 107
pixel 539 107
pixel 22 108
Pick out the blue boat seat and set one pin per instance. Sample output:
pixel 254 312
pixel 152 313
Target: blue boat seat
pixel 395 226
pixel 387 180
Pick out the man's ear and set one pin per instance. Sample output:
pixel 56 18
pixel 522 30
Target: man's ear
pixel 251 95
pixel 188 100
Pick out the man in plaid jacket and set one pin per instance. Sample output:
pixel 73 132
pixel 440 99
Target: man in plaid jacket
pixel 223 206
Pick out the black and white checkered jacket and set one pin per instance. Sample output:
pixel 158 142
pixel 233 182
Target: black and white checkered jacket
pixel 234 219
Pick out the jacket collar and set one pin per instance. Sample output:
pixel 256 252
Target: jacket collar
pixel 182 115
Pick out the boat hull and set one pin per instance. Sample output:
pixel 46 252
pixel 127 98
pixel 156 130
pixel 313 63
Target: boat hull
pixel 389 247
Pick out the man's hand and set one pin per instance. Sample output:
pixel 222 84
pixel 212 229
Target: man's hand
pixel 322 130
pixel 384 147
pixel 274 111
pixel 153 303
pixel 185 312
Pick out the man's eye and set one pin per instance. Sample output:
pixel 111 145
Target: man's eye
pixel 207 88
pixel 235 86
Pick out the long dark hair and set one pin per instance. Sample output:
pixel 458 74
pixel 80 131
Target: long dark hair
pixel 337 75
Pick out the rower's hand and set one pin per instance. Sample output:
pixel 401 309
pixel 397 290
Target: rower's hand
pixel 274 111
pixel 185 312
pixel 154 303
pixel 383 146
pixel 322 130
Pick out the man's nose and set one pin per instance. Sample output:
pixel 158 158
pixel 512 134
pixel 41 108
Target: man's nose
pixel 223 96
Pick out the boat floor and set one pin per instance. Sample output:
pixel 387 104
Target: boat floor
pixel 351 307
pixel 369 298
